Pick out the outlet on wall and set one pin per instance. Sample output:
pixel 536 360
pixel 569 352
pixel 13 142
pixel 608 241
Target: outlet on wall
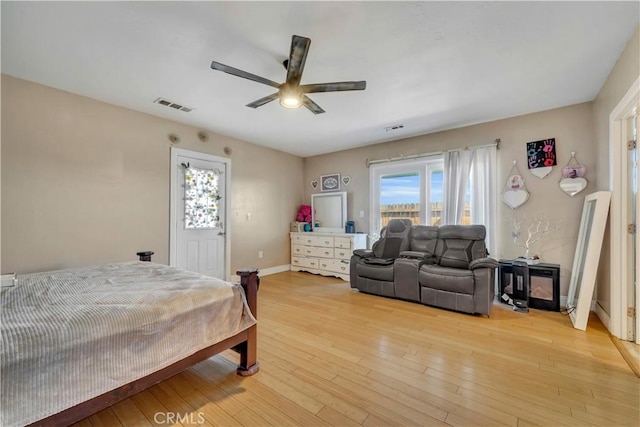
pixel 260 254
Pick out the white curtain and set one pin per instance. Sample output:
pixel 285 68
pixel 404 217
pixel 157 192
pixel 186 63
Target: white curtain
pixel 484 194
pixel 477 164
pixel 457 164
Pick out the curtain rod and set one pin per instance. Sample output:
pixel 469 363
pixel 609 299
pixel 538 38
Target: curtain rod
pixel 368 162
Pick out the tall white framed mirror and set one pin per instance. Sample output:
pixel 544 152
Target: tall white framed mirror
pixel 587 256
pixel 329 212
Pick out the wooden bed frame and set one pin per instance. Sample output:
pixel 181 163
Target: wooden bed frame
pixel 244 343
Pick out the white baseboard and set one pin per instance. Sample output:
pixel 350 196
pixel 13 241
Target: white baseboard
pixel 603 316
pixel 274 270
pixel 265 271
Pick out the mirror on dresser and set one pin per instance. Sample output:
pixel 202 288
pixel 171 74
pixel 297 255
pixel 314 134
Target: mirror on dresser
pixel 329 212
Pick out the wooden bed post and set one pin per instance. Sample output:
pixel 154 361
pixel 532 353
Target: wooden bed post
pixel 249 364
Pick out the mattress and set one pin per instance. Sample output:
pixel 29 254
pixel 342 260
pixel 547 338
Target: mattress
pixel 71 335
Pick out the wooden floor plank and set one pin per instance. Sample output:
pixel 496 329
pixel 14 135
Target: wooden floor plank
pixel 333 356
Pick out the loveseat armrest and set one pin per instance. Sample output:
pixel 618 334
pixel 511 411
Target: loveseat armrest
pixel 483 263
pixel 363 253
pixel 422 256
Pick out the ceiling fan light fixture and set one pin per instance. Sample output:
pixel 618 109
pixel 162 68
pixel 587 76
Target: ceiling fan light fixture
pixel 291 102
pixel 290 98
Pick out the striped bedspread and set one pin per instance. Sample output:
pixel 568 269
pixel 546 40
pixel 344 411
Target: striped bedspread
pixel 71 335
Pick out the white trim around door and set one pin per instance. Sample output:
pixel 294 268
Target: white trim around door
pixel 175 218
pixel 618 170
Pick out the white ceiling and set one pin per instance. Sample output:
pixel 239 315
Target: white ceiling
pixel 428 65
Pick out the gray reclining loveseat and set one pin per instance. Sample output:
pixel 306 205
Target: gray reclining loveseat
pixel 444 266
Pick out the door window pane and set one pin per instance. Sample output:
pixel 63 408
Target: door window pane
pixel 436 196
pixel 202 198
pixel 400 197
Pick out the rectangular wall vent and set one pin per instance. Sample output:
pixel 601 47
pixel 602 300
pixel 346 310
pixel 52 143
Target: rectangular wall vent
pixel 171 104
pixel 392 128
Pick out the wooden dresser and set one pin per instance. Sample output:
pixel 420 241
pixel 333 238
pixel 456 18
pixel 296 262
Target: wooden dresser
pixel 327 254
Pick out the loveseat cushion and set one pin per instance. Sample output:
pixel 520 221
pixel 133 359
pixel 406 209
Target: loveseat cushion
pixel 446 279
pixel 393 240
pixel 458 245
pixel 424 238
pixel 378 272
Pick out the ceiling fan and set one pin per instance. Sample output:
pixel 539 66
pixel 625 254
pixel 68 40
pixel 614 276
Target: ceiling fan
pixel 291 93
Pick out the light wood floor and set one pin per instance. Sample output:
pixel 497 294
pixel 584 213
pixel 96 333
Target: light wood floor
pixel 333 356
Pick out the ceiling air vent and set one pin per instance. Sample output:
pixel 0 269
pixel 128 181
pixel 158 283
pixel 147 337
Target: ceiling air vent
pixel 171 104
pixel 393 128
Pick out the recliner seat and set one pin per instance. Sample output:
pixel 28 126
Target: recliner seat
pixel 374 268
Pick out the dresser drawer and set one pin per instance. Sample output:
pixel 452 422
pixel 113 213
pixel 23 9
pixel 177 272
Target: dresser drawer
pixel 318 252
pixel 310 240
pixel 297 249
pixel 325 242
pixel 343 253
pixel 298 239
pixel 304 262
pixel 342 242
pixel 335 266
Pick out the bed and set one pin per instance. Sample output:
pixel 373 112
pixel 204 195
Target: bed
pixel 79 340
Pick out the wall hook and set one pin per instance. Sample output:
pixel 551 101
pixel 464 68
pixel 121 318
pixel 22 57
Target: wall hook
pixel 202 136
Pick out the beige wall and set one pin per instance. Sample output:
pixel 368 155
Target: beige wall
pixel 572 128
pixel 85 182
pixel 625 72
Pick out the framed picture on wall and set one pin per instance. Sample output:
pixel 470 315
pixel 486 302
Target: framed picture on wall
pixel 330 182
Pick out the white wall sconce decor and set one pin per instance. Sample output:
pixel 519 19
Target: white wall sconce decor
pixel 515 193
pixel 573 180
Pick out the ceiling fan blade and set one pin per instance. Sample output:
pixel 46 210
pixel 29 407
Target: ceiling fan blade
pixel 239 73
pixel 312 106
pixel 260 102
pixel 334 87
pixel 297 58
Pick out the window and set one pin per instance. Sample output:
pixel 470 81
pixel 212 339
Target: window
pixel 415 189
pixel 201 198
pixel 410 189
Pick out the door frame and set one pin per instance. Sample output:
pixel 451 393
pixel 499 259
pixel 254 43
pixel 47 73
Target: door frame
pixel 174 217
pixel 618 172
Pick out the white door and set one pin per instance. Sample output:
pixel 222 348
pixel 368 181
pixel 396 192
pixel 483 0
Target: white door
pixel 199 202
